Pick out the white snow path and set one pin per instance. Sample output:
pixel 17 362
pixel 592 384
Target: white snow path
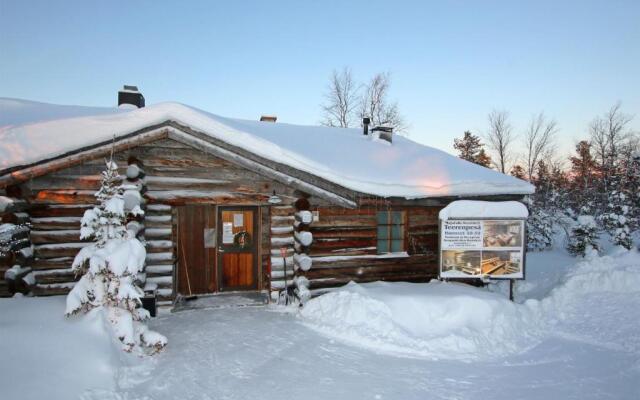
pixel 257 353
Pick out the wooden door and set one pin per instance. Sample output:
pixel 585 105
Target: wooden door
pixel 238 235
pixel 196 249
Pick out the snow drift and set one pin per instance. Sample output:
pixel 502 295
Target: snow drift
pixel 454 321
pixel 59 357
pixel 437 320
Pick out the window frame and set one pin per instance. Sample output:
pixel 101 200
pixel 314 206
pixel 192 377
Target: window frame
pixel 391 236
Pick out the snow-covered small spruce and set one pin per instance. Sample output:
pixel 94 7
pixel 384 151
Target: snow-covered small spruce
pixel 539 228
pixel 616 219
pixel 110 266
pixel 584 236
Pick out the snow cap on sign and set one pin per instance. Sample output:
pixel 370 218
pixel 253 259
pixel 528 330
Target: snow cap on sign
pixel 484 209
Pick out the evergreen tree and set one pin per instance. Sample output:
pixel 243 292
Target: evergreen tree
pixel 110 267
pixel 483 159
pixel 539 228
pixel 616 219
pixel 518 172
pixel 584 172
pixel 471 149
pixel 584 236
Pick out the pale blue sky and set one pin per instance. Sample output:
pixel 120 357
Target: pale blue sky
pixel 451 62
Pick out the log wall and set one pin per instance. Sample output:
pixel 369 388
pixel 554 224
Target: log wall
pixel 345 247
pixel 176 174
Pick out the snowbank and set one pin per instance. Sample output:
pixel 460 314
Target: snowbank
pixel 592 300
pixel 484 209
pixel 436 320
pixel 344 156
pixel 46 355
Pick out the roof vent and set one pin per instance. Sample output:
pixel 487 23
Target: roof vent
pixel 382 132
pixel 268 118
pixel 130 95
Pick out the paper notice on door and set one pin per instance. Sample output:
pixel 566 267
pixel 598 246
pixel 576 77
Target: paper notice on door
pixel 238 220
pixel 227 233
pixel 209 238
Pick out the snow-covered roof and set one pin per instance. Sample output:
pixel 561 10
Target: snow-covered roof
pixel 32 132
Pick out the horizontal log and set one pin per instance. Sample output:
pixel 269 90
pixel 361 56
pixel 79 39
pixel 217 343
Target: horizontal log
pixel 13 205
pixel 282 210
pixel 331 244
pixel 56 276
pixel 159 208
pixel 161 281
pixel 16 218
pixel 278 262
pixel 374 259
pixel 338 233
pixel 378 270
pixel 355 221
pixel 59 236
pixel 58 210
pixel 59 250
pixel 51 290
pixel 158 233
pixel 423 220
pixel 51 263
pixel 62 196
pixel 340 211
pixel 276 252
pixel 160 258
pixel 280 230
pixel 153 270
pixel 333 282
pixel 55 223
pixel 343 252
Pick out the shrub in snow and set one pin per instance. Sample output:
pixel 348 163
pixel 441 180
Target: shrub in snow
pixel 616 219
pixel 110 266
pixel 584 236
pixel 539 228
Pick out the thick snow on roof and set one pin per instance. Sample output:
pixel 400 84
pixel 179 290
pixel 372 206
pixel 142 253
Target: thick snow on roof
pixel 31 132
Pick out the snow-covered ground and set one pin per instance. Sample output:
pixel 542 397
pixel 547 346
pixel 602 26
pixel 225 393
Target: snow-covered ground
pixel 574 334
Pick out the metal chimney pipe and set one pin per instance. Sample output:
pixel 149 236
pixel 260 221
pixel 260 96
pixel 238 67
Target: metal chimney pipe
pixel 365 124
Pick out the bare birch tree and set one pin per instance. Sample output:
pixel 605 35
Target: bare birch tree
pixel 376 105
pixel 499 139
pixel 538 141
pixel 341 100
pixel 608 133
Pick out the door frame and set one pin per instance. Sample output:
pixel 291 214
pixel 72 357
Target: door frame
pixel 257 234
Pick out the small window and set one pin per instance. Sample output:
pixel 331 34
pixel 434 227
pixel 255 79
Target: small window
pixel 390 232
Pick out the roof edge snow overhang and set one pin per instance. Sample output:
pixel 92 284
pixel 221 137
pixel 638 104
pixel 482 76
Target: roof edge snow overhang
pixel 284 174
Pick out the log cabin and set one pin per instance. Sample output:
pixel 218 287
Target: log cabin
pixel 230 205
